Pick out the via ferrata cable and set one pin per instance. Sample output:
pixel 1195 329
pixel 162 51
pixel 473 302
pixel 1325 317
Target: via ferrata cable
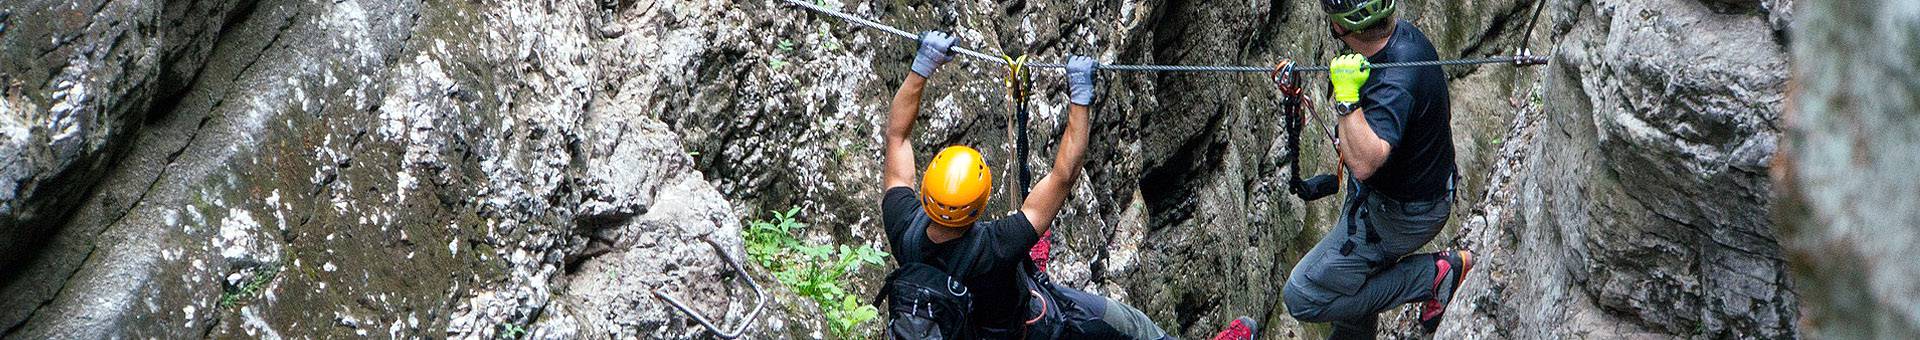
pixel 1515 59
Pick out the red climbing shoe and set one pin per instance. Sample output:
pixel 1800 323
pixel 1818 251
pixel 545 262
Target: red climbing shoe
pixel 1240 329
pixel 1041 252
pixel 1452 268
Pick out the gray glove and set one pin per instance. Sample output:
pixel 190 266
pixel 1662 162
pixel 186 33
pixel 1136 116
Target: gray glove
pixel 1080 79
pixel 933 52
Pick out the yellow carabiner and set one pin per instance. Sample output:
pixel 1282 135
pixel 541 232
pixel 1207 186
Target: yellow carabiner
pixel 1019 82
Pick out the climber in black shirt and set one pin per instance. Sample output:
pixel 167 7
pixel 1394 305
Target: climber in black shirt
pixel 1396 141
pixel 951 199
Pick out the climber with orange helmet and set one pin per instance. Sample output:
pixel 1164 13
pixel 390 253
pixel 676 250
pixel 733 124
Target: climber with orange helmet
pixel 990 284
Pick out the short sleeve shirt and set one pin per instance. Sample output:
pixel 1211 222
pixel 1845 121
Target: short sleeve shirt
pixel 997 248
pixel 1408 107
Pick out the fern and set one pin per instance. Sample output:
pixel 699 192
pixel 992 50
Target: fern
pixel 819 272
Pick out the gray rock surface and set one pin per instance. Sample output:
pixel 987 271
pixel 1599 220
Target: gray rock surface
pixel 1846 168
pixel 353 168
pixel 79 79
pixel 1639 204
pixel 393 169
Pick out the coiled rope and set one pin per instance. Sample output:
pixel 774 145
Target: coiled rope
pixel 1516 59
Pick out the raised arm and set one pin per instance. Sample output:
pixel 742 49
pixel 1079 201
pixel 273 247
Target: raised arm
pixel 1051 192
pixel 899 148
pixel 898 155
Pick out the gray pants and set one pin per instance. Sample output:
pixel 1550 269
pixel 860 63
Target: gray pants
pixel 1089 316
pixel 1361 268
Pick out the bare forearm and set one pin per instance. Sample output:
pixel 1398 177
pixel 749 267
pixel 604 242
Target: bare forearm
pixel 1073 144
pixel 1364 151
pixel 906 105
pixel 898 155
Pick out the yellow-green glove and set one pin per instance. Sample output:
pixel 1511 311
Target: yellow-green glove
pixel 1347 74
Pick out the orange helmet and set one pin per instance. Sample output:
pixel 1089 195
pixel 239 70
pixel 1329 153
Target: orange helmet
pixel 955 187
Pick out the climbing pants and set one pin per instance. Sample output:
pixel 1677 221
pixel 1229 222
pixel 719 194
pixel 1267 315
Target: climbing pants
pixel 1088 316
pixel 1361 267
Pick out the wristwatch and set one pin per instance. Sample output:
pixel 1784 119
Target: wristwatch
pixel 1346 108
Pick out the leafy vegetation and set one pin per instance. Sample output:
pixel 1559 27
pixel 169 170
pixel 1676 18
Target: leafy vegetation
pixel 817 271
pixel 233 294
pixel 511 330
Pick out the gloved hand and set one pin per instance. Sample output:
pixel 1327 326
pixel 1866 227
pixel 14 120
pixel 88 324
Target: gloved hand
pixel 1080 79
pixel 933 52
pixel 1347 74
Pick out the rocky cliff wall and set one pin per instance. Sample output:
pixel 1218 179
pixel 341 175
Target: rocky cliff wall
pixel 1636 200
pixel 1845 172
pixel 478 170
pixel 349 168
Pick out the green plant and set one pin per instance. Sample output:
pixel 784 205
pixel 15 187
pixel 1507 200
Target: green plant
pixel 820 272
pixel 511 330
pixel 233 294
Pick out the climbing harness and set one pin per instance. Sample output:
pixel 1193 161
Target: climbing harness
pixel 758 298
pixel 1522 59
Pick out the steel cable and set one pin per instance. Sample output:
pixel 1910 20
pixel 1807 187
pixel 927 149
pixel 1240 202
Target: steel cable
pixel 1517 60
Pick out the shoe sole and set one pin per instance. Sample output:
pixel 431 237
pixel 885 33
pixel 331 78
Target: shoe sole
pixel 1466 266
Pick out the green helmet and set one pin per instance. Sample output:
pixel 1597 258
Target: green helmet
pixel 1355 15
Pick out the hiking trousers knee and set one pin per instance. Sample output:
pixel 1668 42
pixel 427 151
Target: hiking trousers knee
pixel 1361 267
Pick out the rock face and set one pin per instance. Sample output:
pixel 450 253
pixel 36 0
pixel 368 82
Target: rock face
pixel 350 168
pixel 81 76
pixel 1845 171
pixel 368 168
pixel 1640 202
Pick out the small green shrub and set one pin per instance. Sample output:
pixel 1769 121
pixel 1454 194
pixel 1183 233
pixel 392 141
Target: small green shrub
pixel 816 271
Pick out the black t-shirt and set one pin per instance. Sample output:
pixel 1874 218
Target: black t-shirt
pixel 1408 107
pixel 996 247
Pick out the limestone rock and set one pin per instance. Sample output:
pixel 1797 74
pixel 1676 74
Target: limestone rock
pixel 347 169
pixel 1641 206
pixel 1845 175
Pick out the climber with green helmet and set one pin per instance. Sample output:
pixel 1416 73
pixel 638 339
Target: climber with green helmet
pixel 1395 140
pixel 941 226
